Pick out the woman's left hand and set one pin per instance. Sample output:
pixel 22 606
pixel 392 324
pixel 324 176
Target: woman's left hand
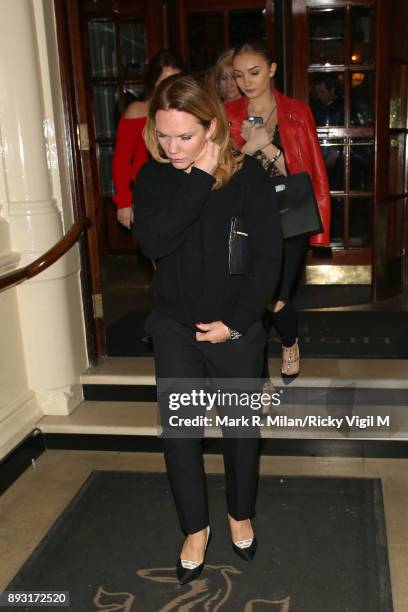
pixel 214 332
pixel 125 216
pixel 259 137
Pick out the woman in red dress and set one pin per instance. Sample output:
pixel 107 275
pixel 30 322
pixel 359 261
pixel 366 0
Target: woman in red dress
pixel 281 134
pixel 130 149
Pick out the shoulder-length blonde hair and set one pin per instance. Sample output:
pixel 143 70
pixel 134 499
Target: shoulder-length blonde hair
pixel 185 93
pixel 224 61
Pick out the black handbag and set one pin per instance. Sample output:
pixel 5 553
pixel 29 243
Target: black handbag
pixel 298 209
pixel 239 254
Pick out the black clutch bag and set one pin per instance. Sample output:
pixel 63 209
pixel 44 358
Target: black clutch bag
pixel 298 209
pixel 239 254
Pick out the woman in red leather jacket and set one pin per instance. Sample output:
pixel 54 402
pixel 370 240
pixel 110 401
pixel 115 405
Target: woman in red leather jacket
pixel 281 133
pixel 130 149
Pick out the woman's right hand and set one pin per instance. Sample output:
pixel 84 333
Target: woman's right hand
pixel 125 216
pixel 209 157
pixel 246 129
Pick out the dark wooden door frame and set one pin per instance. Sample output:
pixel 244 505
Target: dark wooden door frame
pixel 80 167
pixel 382 273
pixel 385 197
pixel 113 238
pixel 299 85
pixel 381 162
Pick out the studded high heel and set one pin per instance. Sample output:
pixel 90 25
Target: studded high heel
pixel 290 361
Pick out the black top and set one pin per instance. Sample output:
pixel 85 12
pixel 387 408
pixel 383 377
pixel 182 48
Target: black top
pixel 184 226
pixel 276 140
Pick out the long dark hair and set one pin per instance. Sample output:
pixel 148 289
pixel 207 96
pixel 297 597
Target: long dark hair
pixel 163 59
pixel 255 45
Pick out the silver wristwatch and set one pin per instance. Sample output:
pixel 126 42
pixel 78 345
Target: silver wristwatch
pixel 234 334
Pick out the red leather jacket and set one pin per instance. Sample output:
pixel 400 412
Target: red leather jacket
pixel 298 136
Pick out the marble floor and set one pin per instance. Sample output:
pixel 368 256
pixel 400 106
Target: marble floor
pixel 30 506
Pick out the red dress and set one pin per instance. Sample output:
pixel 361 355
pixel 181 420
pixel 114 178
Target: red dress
pixel 129 156
pixel 301 147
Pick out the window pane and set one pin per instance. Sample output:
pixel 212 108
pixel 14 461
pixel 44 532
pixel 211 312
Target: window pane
pixel 326 97
pixel 103 50
pixel 361 35
pixel 205 38
pixel 133 47
pixel 333 155
pixel 360 222
pixel 337 221
pixel 105 97
pixel 361 165
pixel 327 36
pixel 105 154
pixel 362 96
pixel 244 25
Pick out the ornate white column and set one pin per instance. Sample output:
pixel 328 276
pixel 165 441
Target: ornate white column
pixel 50 304
pixel 19 408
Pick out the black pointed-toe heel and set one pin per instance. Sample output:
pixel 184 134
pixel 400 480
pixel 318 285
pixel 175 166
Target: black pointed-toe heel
pixel 190 570
pixel 245 549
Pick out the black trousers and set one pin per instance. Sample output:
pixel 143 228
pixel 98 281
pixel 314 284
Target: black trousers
pixel 179 356
pixel 285 321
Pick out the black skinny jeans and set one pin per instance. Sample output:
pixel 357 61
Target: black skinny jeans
pixel 285 320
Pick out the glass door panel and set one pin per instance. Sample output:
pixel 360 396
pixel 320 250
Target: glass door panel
pixel 341 95
pixel 240 23
pixel 103 48
pixel 105 99
pixel 327 27
pixel 353 81
pixel 133 45
pixel 362 43
pixel 205 39
pixel 118 57
pixel 105 154
pixel 361 165
pixel 360 222
pixel 210 30
pixel 326 97
pixel 337 221
pixel 333 150
pixel 362 98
